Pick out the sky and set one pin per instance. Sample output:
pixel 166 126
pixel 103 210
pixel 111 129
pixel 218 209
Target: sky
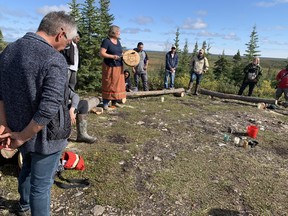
pixel 226 25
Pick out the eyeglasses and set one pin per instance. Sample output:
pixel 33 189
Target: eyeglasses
pixel 64 33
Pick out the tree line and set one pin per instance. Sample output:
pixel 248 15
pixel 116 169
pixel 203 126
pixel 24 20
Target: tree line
pixel 94 22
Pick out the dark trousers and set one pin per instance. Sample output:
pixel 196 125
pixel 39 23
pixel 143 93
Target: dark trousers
pixel 144 79
pixel 244 85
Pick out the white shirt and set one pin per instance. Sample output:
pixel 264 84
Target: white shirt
pixel 76 58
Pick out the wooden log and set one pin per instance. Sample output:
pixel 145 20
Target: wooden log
pixel 154 93
pixel 237 97
pixel 179 94
pixel 92 102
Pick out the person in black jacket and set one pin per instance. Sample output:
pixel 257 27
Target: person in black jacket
pixel 71 53
pixel 252 74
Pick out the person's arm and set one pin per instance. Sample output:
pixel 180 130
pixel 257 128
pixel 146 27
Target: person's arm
pixel 206 65
pixel 19 138
pixel 103 54
pixel 146 61
pixel 176 60
pixel 2 114
pixel 74 104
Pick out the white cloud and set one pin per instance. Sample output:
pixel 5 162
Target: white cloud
pixel 142 20
pixel 134 30
pixel 46 9
pixel 271 3
pixel 193 24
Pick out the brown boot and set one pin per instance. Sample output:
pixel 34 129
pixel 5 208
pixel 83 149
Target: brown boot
pixel 81 124
pixel 190 86
pixel 197 87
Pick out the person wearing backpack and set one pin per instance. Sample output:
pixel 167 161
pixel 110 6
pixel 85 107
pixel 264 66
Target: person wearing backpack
pixel 253 72
pixel 282 87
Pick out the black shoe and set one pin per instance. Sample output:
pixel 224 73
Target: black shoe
pixel 19 211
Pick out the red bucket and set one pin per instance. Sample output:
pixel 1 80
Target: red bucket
pixel 252 131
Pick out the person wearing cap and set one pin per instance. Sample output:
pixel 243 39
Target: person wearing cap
pixel 34 107
pixel 200 65
pixel 282 87
pixel 140 70
pixel 71 53
pixel 170 68
pixel 252 74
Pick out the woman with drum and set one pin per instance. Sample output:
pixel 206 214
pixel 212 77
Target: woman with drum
pixel 113 81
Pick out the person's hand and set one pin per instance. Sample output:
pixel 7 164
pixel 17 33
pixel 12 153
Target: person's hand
pixel 5 139
pixel 72 116
pixel 116 57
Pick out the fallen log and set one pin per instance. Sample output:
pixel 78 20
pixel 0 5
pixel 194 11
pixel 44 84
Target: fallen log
pixel 92 102
pixel 179 91
pixel 237 97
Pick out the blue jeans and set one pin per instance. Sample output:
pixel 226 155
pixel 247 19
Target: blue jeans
pixel 35 181
pixel 197 77
pixel 169 74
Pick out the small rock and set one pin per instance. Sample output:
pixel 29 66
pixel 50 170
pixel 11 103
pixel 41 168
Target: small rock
pixel 157 158
pixel 98 210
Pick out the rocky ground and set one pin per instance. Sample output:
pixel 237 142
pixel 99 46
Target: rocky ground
pixel 170 158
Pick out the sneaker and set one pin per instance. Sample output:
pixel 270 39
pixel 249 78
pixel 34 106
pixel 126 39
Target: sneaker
pixel 105 107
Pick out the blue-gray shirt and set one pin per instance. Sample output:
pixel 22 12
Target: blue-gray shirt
pixel 32 82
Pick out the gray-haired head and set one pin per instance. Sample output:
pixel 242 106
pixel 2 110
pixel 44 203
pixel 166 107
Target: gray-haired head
pixel 113 30
pixel 56 21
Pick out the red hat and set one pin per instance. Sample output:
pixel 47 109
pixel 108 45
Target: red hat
pixel 73 161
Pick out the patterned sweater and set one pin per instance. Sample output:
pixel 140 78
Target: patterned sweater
pixel 32 82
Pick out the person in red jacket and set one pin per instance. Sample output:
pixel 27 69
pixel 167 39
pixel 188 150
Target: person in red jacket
pixel 282 87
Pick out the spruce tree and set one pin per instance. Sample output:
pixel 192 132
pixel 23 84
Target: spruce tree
pixel 105 19
pixel 252 45
pixel 184 60
pixel 237 69
pixel 2 42
pixel 176 41
pixel 195 50
pixel 221 67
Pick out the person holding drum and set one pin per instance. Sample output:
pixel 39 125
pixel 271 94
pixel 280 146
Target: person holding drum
pixel 113 81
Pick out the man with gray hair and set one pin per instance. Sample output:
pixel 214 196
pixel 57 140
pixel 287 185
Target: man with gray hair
pixel 34 107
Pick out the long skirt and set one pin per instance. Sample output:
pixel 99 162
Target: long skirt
pixel 113 83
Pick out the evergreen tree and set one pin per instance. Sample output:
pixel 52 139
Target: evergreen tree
pixel 237 70
pixel 2 42
pixel 184 62
pixel 75 11
pixel 221 67
pixel 105 19
pixel 252 46
pixel 195 50
pixel 176 41
pixel 204 45
pixel 89 75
